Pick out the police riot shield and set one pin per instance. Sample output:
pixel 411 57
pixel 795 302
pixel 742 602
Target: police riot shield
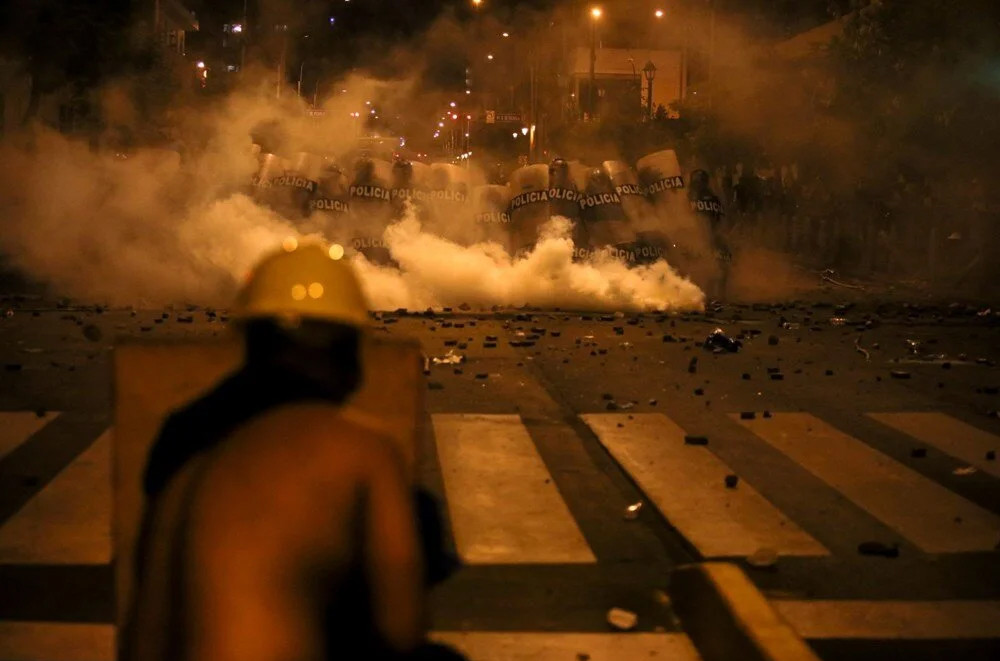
pixel 690 242
pixel 402 186
pixel 601 213
pixel 299 184
pixel 649 241
pixel 447 200
pixel 271 168
pixel 490 218
pixel 529 205
pixel 331 203
pixel 564 193
pixel 370 207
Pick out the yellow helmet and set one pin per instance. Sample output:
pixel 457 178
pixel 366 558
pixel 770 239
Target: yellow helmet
pixel 306 281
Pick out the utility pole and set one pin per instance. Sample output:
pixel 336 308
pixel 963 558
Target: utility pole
pixel 593 61
pixel 243 39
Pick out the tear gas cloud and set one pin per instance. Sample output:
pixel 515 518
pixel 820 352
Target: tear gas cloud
pixel 148 228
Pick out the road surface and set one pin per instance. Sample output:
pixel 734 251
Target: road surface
pixel 817 438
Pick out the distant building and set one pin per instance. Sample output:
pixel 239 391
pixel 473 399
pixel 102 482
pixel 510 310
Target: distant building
pixel 171 22
pixel 619 80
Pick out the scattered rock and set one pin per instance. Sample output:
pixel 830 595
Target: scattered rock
pixel 482 375
pixel 621 619
pixel 878 549
pixel 772 340
pixel 435 385
pixel 991 455
pixel 652 402
pixel 964 470
pixel 92 333
pixel 763 558
pixel 900 374
pixel 693 365
pixel 690 439
pixel 731 481
pixel 747 415
pixel 632 511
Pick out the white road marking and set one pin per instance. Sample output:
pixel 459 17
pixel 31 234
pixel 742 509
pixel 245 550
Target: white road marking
pixel 69 521
pixel 49 641
pixel 932 517
pixel 504 505
pixel 17 426
pixel 951 436
pixel 687 485
pixel 892 619
pixel 530 646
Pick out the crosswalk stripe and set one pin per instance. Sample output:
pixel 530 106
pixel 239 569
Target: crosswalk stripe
pixel 531 646
pixel 941 620
pixel 17 426
pixel 69 521
pixel 929 515
pixel 503 504
pixel 687 485
pixel 951 436
pixel 49 641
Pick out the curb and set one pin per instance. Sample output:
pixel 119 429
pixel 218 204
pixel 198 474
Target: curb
pixel 727 617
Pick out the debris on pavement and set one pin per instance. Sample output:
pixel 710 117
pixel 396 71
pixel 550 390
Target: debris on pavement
pixel 864 352
pixel 732 480
pixel 838 321
pixel 878 549
pixel 450 358
pixel 632 511
pixel 772 340
pixel 763 558
pixel 900 374
pixel 718 340
pixel 621 619
pixel 92 333
pixel 964 470
pixel 690 439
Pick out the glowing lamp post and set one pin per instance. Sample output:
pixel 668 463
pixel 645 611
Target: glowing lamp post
pixel 649 71
pixel 595 15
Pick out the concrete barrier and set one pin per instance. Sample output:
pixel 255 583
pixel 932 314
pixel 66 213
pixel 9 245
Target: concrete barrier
pixel 728 618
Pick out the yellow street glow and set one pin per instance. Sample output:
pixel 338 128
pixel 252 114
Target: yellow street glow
pixel 298 292
pixel 315 290
pixel 658 13
pixel 290 244
pixel 595 12
pixel 336 251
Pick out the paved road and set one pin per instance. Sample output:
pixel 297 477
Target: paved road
pixel 551 427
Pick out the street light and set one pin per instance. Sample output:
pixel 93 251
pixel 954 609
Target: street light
pixel 649 71
pixel 595 15
pixel 658 13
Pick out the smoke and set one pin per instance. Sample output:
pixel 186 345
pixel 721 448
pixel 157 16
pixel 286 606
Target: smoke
pixel 148 228
pixel 435 271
